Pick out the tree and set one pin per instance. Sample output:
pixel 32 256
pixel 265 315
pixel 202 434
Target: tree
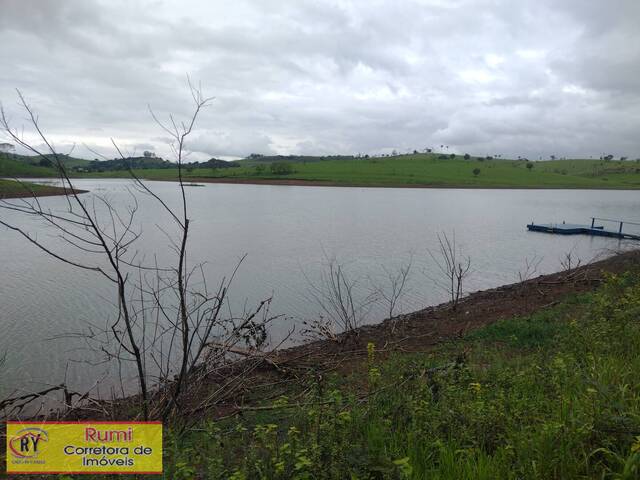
pixel 45 162
pixel 476 172
pixel 453 266
pixel 343 306
pixel 281 168
pixel 467 156
pixel 148 154
pixel 7 148
pixel 529 166
pixel 395 288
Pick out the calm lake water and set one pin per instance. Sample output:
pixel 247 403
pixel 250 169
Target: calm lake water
pixel 287 233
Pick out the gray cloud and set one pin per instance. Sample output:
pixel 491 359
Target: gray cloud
pixel 529 78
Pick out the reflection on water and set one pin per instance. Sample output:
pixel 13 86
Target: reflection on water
pixel 287 232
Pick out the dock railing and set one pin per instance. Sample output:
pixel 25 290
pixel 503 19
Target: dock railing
pixel 621 222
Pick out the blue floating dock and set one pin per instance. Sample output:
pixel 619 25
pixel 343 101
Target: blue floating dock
pixel 592 229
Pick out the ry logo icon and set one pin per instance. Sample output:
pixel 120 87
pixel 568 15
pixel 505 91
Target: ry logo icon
pixel 28 442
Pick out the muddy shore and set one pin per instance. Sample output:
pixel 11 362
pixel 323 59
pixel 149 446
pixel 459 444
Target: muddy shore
pixel 40 192
pixel 326 183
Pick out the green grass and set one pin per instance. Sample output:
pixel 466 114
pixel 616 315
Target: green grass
pixel 33 160
pixel 410 170
pixel 524 333
pixel 555 395
pixel 551 396
pixel 13 168
pixel 429 170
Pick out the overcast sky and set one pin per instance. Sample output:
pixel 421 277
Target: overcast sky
pixel 527 77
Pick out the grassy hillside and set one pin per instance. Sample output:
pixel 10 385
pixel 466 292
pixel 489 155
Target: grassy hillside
pixel 36 159
pixel 9 167
pixel 255 159
pixel 430 170
pixel 409 170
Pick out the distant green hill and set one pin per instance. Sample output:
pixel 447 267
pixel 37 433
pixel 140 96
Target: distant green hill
pixel 14 166
pixel 124 164
pixel 419 169
pixel 38 160
pixel 255 158
pixel 36 165
pixel 214 163
pixel 433 170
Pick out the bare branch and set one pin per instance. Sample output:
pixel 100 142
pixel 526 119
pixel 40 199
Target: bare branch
pixel 454 268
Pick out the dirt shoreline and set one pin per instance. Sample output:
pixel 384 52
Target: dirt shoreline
pixel 438 323
pixel 44 192
pixel 325 183
pixel 418 331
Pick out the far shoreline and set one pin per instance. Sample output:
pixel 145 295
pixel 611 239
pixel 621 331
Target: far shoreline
pixel 325 183
pixel 297 182
pixel 47 191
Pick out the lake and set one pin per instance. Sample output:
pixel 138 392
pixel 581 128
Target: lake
pixel 287 234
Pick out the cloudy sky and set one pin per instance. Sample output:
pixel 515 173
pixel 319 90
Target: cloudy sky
pixel 527 77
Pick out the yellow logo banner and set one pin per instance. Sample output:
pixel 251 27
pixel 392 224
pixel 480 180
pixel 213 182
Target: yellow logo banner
pixel 84 447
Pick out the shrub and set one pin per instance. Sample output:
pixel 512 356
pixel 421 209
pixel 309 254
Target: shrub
pixel 281 168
